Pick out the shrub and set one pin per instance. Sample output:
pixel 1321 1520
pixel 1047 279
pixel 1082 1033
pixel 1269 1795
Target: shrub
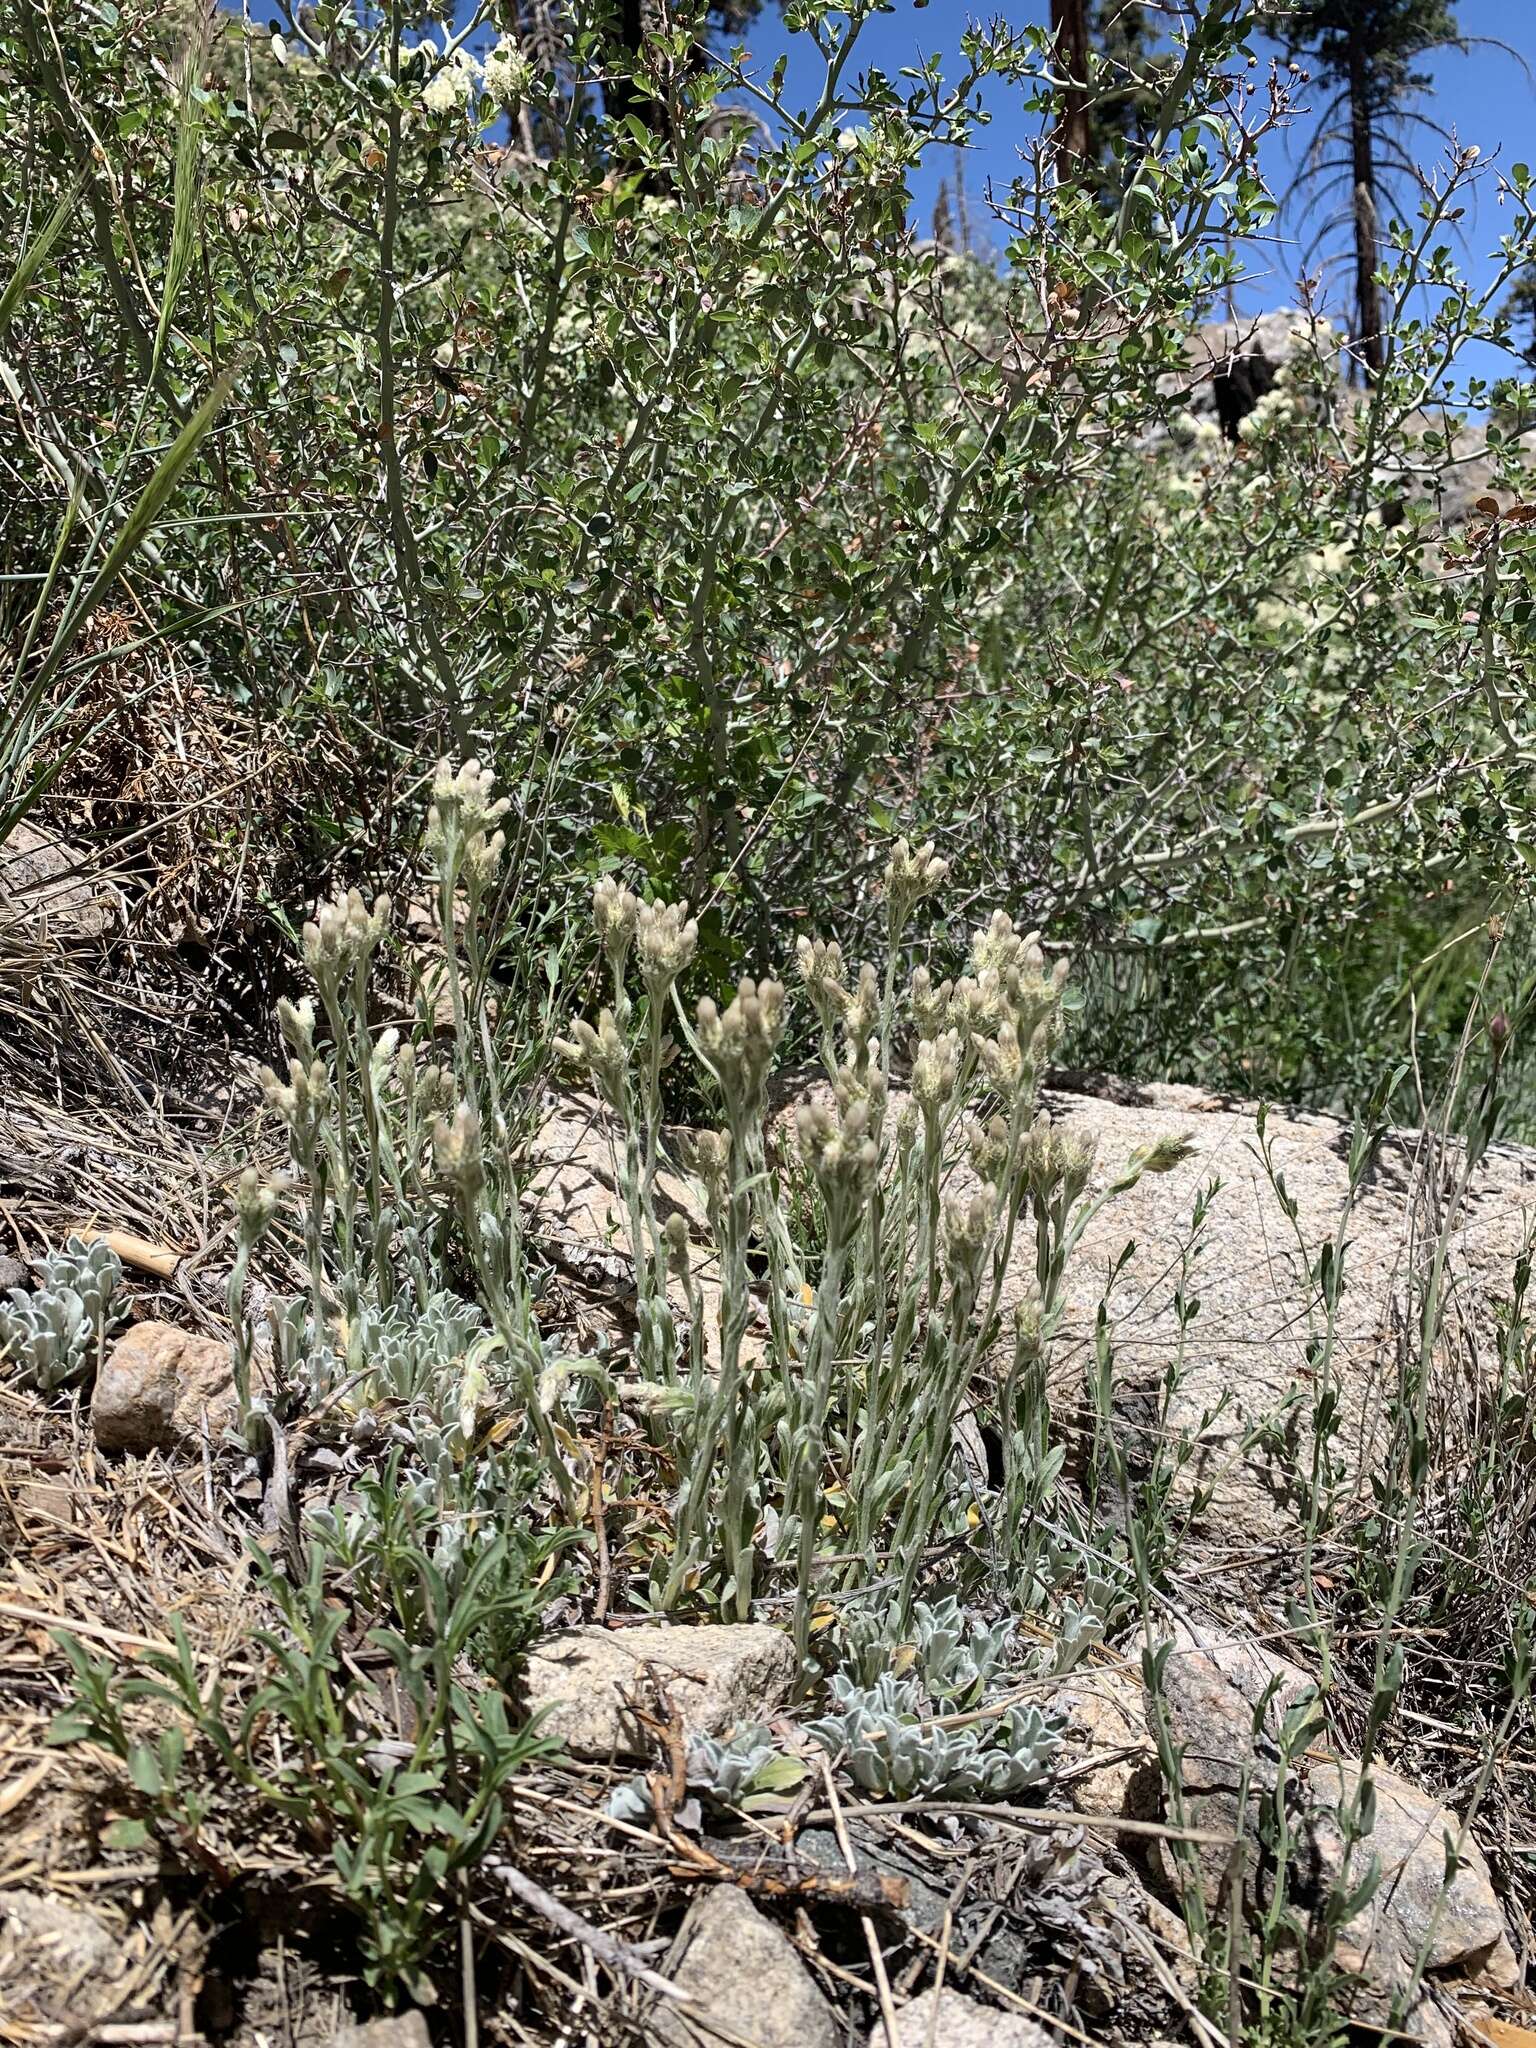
pixel 787 520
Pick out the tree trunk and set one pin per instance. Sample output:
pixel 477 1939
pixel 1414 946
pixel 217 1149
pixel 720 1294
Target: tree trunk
pixel 1369 338
pixel 1069 26
pixel 623 95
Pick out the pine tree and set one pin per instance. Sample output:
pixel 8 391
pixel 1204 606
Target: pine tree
pixel 1069 29
pixel 1123 110
pixel 1364 54
pixel 1520 308
pixel 1094 124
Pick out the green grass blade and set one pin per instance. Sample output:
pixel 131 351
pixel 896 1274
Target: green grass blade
pixel 66 528
pixel 36 256
pixel 184 215
pixel 141 518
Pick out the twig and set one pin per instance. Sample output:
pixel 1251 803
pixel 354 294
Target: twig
pixel 1033 1816
pixel 600 1525
pixel 871 1939
pixel 159 1259
pixel 467 1987
pixel 776 1875
pixel 133 2034
pixel 1211 2035
pixel 84 1628
pixel 946 1932
pixel 616 1956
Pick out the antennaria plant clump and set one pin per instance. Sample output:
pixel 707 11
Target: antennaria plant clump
pixel 747 1772
pixel 810 1418
pixel 804 1411
pixel 53 1336
pixel 937 1715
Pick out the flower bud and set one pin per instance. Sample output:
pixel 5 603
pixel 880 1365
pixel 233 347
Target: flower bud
pixel 861 1015
pixel 666 939
pixel 341 936
pixel 968 1227
pixel 303 1099
pixel 1164 1153
pixel 255 1204
pixel 602 1052
pixel 988 1144
pixel 820 966
pixel 906 1130
pixel 976 1006
pixel 936 1073
pixel 675 1234
pixel 1026 1330
pixel 739 1045
pixel 712 1163
pixel 461 822
pixel 615 912
pixel 1004 1061
pixel 297 1023
pixel 840 1151
pixel 930 1006
pixel 456 1152
pixel 997 944
pixel 910 875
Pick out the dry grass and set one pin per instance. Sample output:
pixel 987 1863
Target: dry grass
pixel 190 820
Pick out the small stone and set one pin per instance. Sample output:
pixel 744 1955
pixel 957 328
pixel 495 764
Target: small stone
pixel 56 1962
pixel 405 2030
pixel 48 886
pixel 160 1388
pixel 744 1979
pixel 717 1677
pixel 12 1274
pixel 948 2019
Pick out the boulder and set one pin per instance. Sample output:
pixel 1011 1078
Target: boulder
pixel 1454 486
pixel 948 2019
pixel 161 1388
pixel 1459 1927
pixel 1227 1703
pixel 1108 1765
pixel 1233 363
pixel 744 1979
pixel 1245 1383
pixel 583 1680
pixel 49 887
pixel 578 1216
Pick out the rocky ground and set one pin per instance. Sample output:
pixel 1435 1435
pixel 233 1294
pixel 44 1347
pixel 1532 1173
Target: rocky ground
pixel 831 1918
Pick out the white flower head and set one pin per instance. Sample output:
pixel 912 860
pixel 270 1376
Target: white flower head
pixel 508 73
pixel 449 88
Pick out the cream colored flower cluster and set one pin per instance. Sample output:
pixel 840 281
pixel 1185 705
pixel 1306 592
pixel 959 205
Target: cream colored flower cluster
pixel 504 77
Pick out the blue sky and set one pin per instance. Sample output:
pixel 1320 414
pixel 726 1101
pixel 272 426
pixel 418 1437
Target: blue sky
pixel 1485 97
